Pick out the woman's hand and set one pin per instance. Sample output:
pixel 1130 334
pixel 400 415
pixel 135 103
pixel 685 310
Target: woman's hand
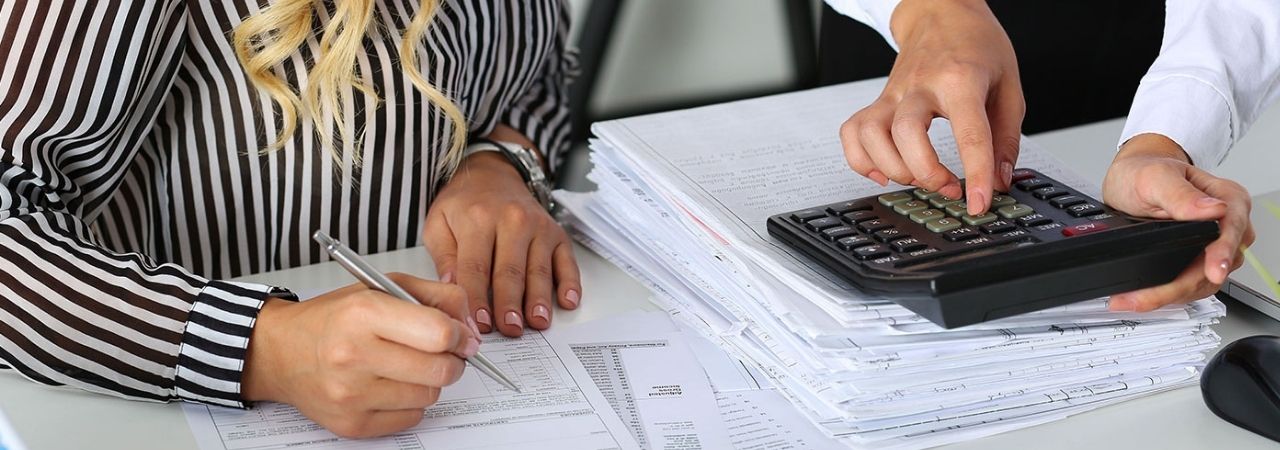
pixel 955 62
pixel 487 233
pixel 360 362
pixel 1152 177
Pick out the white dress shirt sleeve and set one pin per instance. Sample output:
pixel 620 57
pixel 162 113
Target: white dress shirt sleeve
pixel 874 13
pixel 1218 69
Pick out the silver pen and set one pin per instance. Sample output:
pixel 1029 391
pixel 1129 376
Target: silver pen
pixel 376 280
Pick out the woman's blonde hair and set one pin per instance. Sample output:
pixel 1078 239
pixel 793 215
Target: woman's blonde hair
pixel 267 38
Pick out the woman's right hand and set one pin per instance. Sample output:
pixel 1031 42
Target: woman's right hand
pixel 955 62
pixel 360 362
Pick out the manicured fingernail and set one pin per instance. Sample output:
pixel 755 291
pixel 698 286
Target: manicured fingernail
pixel 1208 202
pixel 878 177
pixel 1006 172
pixel 482 318
pixel 1119 303
pixel 474 329
pixel 513 319
pixel 473 347
pixel 447 278
pixel 541 312
pixel 572 298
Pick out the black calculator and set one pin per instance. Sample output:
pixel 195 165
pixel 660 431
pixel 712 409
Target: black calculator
pixel 1042 244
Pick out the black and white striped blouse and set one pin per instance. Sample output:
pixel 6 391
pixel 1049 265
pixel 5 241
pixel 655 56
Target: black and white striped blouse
pixel 130 178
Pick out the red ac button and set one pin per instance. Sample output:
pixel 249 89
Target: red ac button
pixel 1084 228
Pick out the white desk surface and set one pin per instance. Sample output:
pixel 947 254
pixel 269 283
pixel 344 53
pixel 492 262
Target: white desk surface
pixel 64 419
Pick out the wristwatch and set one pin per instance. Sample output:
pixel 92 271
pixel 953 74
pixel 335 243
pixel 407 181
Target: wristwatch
pixel 525 160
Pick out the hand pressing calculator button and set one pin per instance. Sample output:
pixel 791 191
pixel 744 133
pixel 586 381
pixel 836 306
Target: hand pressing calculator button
pixel 1043 244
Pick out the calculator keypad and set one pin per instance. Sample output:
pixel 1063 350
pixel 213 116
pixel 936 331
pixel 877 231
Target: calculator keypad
pixel 915 225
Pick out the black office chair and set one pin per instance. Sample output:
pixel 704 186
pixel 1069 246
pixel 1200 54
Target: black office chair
pixel 1080 60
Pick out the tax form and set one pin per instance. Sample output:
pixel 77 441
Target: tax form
pixel 555 410
pixel 727 403
pixel 650 377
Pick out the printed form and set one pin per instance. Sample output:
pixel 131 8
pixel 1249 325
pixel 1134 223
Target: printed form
pixel 650 377
pixel 556 410
pixel 640 359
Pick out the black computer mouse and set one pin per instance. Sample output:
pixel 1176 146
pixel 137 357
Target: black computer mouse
pixel 1241 384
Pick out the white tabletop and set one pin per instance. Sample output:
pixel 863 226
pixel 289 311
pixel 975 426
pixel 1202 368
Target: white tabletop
pixel 66 419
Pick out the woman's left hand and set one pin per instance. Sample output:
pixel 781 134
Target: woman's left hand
pixel 487 233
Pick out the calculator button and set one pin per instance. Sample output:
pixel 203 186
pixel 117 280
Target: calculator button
pixel 852 242
pixel 1049 192
pixel 1031 184
pixel 979 219
pixel 848 207
pixel 873 225
pixel 1033 220
pixel 1084 228
pixel 999 226
pixel 925 194
pixel 958 209
pixel 1001 200
pixel 910 207
pixel 890 234
pixel 822 224
pixel 907 245
pixel 1014 211
pixel 960 234
pixel 1084 210
pixel 926 215
pixel 942 225
pixel 1022 174
pixel 943 201
pixel 807 215
pixel 894 198
pixel 832 234
pixel 1066 200
pixel 859 216
pixel 871 252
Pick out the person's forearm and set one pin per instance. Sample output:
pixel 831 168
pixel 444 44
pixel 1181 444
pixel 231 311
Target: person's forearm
pixel 1217 71
pixel 910 13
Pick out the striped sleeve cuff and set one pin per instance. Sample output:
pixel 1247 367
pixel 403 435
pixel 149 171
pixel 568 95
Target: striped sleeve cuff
pixel 211 359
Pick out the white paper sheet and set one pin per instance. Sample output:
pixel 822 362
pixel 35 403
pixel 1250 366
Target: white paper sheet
pixel 556 410
pixel 8 437
pixel 644 368
pixel 681 205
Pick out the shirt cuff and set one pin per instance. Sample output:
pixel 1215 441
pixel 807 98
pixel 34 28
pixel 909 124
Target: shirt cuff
pixel 875 13
pixel 212 356
pixel 1187 110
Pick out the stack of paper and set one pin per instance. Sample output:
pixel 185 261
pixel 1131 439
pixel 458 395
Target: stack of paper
pixel 681 204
